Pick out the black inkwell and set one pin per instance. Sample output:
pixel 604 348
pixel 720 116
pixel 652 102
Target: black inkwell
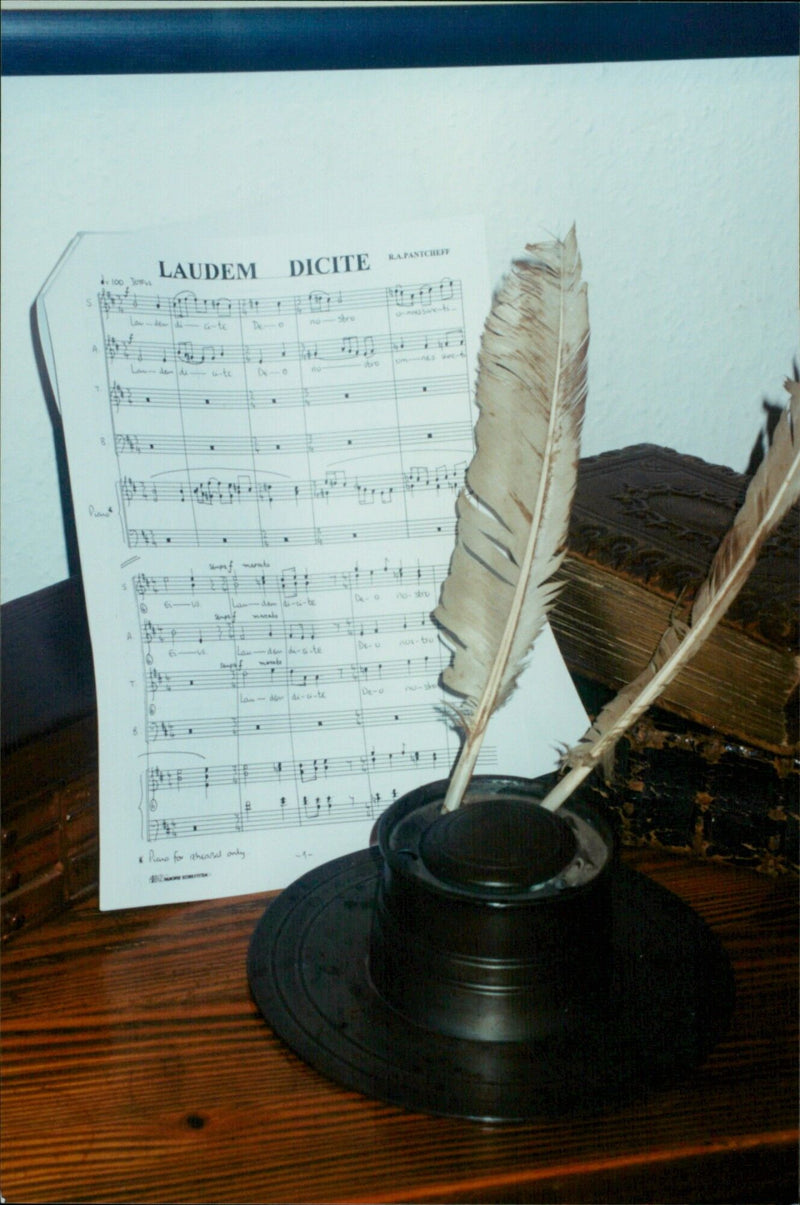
pixel 542 980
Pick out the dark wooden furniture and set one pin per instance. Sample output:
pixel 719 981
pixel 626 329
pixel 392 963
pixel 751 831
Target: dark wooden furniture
pixel 137 1068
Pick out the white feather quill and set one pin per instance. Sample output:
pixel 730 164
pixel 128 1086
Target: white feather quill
pixel 513 512
pixel 774 488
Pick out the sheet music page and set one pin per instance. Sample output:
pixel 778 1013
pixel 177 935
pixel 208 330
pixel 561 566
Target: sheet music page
pixel 265 440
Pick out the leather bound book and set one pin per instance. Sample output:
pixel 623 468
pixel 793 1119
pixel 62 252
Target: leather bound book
pixel 645 525
pixel 679 786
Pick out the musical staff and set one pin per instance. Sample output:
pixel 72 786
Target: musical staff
pixel 205 728
pixel 434 435
pixel 283 629
pixel 319 809
pixel 364 490
pixel 187 304
pixel 292 537
pixel 286 397
pixel 234 677
pixel 344 349
pixel 290 582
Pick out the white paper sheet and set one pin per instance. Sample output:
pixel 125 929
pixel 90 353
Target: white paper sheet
pixel 265 440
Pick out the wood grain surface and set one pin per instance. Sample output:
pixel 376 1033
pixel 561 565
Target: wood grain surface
pixel 137 1068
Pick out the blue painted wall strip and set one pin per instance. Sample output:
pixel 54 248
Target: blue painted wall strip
pixel 292 39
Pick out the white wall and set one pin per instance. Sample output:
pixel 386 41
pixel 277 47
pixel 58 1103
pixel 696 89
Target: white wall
pixel 682 178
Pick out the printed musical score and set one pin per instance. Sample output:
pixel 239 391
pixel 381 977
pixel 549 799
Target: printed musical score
pixel 264 469
pixel 288 423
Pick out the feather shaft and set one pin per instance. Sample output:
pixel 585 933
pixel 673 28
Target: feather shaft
pixel 773 490
pixel 514 509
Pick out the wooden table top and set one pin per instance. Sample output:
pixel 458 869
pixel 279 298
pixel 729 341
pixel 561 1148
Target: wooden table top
pixel 136 1067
